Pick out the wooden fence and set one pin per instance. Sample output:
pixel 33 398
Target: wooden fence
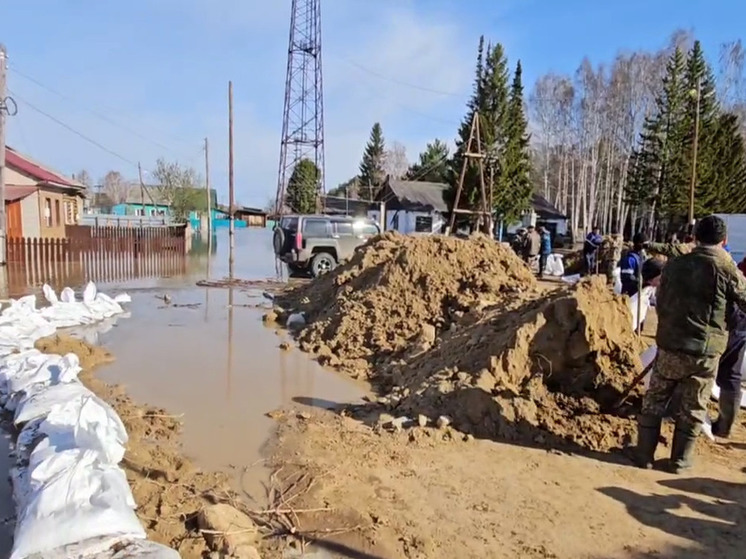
pixel 99 254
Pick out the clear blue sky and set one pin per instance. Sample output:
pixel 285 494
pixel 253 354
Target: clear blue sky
pixel 157 70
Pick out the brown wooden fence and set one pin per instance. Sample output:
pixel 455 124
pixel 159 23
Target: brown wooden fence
pixel 99 254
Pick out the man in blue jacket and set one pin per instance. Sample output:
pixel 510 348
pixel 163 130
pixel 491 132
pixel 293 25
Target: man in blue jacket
pixel 546 249
pixel 592 243
pixel 630 265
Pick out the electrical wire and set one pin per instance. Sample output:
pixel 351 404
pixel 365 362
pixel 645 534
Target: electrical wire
pixel 401 82
pixel 89 110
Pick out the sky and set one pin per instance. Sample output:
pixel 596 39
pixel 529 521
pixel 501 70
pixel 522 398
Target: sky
pixel 104 85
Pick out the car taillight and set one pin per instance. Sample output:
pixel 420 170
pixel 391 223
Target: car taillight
pixel 298 241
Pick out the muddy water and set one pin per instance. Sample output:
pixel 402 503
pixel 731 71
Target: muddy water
pixel 215 362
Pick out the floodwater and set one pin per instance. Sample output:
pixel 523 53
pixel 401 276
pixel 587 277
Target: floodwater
pixel 214 360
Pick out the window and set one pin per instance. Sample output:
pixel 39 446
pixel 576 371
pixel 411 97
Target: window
pixel 343 228
pixel 57 215
pixel 70 212
pixel 423 224
pixel 48 212
pixel 140 212
pixel 289 223
pixel 316 227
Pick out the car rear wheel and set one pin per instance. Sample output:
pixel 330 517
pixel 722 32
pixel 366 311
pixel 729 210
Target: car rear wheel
pixel 322 263
pixel 278 240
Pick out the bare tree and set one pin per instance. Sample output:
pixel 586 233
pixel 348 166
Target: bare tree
pixel 178 187
pixel 116 187
pixel 395 162
pixel 83 178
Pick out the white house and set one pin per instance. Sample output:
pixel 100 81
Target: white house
pixel 413 206
pixel 542 213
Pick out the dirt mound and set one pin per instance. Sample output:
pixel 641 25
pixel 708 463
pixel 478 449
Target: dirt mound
pixel 399 289
pixel 543 369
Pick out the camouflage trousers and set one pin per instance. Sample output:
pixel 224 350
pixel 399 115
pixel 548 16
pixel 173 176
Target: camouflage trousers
pixel 691 377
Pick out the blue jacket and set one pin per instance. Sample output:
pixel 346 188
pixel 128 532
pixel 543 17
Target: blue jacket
pixel 630 267
pixel 592 242
pixel 546 244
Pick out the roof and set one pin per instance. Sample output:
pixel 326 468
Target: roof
pixel 345 206
pixel 417 195
pixel 545 208
pixel 27 166
pixel 13 193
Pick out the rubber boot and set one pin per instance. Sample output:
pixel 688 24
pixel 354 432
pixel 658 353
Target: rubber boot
pixel 648 433
pixel 729 403
pixel 682 448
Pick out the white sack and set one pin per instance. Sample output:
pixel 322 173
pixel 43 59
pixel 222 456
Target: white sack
pixel 645 304
pixel 79 498
pixel 39 404
pixel 554 266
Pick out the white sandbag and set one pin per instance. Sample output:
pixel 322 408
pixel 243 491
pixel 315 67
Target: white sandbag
pixel 571 279
pixel 86 422
pixel 554 266
pixel 122 298
pixel 89 293
pixel 42 369
pixel 645 298
pixel 79 498
pixel 67 295
pixel 38 405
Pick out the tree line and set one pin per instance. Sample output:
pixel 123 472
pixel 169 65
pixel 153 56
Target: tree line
pixel 610 145
pixel 179 187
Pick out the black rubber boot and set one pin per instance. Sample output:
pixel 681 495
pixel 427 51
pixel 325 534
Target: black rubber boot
pixel 729 403
pixel 648 433
pixel 682 448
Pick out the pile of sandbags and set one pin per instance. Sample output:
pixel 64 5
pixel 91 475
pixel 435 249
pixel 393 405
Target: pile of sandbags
pixel 72 498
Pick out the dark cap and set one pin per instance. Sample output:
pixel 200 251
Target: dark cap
pixel 639 238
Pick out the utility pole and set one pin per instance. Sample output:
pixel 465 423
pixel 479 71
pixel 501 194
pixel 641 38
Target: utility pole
pixel 695 145
pixel 207 186
pixel 3 110
pixel 231 209
pixel 142 191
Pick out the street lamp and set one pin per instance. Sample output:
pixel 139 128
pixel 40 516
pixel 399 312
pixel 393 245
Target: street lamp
pixel 697 93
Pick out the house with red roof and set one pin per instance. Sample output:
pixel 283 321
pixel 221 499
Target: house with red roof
pixel 39 201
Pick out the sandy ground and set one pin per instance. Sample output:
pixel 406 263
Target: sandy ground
pixel 428 493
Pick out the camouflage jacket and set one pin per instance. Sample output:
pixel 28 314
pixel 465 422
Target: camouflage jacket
pixel 696 291
pixel 671 250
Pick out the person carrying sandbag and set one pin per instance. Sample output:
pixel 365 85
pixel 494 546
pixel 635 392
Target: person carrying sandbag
pixel 694 293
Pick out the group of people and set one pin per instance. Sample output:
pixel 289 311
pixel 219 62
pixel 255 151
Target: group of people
pixel 701 337
pixel 534 245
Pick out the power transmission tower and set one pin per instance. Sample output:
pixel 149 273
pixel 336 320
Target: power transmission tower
pixel 303 116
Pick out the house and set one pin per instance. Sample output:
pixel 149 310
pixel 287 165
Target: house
pixel 252 217
pixel 39 201
pixel 146 202
pixel 413 206
pixel 543 213
pixel 339 205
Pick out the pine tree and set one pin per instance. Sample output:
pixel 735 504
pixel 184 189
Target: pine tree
pixel 656 164
pixel 727 178
pixel 372 174
pixel 303 187
pixel 433 165
pixel 513 189
pixel 470 192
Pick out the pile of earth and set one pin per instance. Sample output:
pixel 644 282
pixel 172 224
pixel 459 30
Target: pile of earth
pixel 542 371
pixel 398 291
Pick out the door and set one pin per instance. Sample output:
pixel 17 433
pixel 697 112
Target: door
pixel 15 224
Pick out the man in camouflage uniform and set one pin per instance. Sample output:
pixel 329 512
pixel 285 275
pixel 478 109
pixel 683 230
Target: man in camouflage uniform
pixel 695 292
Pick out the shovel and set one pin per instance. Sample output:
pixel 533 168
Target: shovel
pixel 632 385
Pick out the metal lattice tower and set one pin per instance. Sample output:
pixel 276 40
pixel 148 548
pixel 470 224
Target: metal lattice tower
pixel 303 117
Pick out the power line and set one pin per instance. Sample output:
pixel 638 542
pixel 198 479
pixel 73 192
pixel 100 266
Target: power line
pixel 91 111
pixel 71 129
pixel 401 82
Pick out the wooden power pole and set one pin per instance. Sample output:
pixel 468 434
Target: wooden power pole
pixel 473 152
pixel 3 111
pixel 231 209
pixel 207 187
